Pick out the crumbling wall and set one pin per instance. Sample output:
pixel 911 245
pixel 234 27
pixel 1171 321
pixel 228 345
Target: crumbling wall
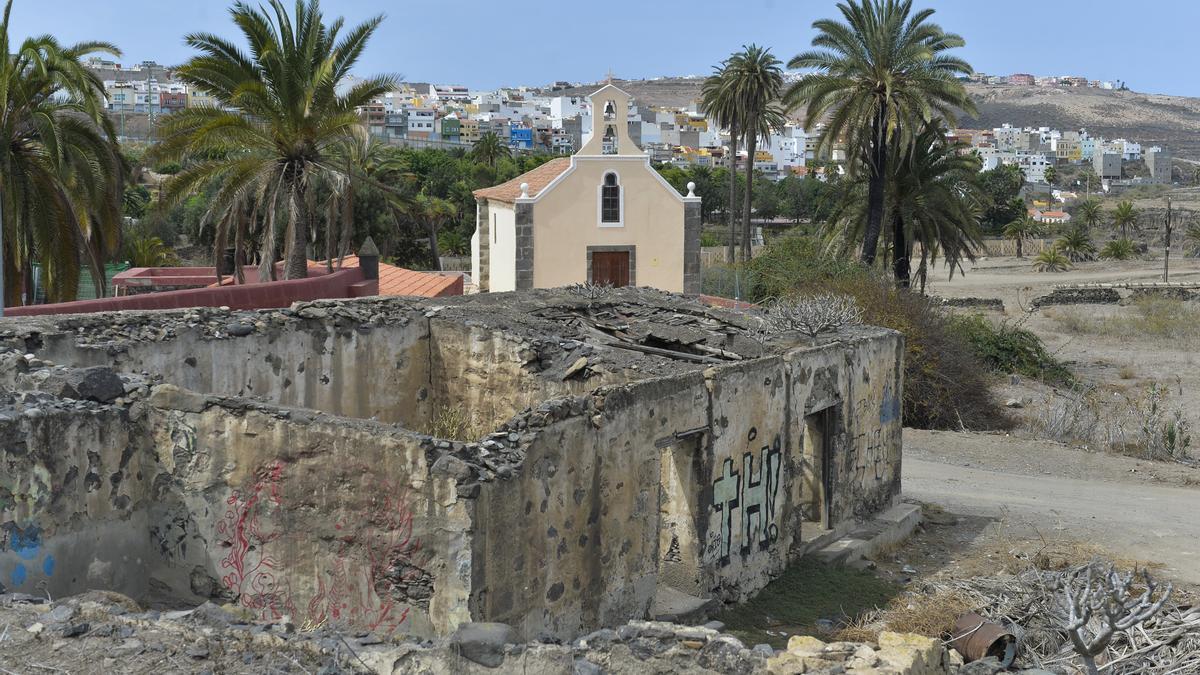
pixel 324 520
pixel 752 484
pixel 77 483
pixel 492 375
pixel 354 362
pixel 867 477
pixel 572 542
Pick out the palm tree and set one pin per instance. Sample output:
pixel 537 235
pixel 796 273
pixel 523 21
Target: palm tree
pixel 61 172
pixel 1021 229
pixel 755 82
pixel 433 212
pixel 1125 217
pixel 881 72
pixel 280 117
pixel 933 199
pixel 717 103
pixel 1076 245
pixel 1051 260
pixel 1089 211
pixel 1118 249
pixel 489 149
pixel 1191 240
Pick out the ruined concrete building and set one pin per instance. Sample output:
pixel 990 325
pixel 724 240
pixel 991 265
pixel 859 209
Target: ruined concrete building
pixel 554 462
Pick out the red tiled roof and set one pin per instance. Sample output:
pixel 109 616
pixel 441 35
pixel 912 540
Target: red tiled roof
pixel 399 281
pixel 538 179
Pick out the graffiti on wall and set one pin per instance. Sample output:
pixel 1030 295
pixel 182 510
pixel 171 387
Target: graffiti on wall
pixel 371 581
pixel 747 498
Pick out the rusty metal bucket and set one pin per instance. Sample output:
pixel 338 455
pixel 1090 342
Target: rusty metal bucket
pixel 977 638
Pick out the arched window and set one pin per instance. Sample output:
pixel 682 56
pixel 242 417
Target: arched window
pixel 610 199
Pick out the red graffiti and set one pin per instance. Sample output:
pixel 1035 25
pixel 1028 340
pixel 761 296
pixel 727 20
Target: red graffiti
pixel 371 570
pixel 368 597
pixel 252 575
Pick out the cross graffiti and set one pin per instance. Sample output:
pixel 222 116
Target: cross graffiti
pixel 752 495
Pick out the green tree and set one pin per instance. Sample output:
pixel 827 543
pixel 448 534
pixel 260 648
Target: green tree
pixel 1118 249
pixel 718 103
pixel 1021 229
pixel 433 213
pixel 756 83
pixel 1125 217
pixel 1002 185
pixel 281 115
pixel 61 172
pixel 1089 212
pixel 1076 245
pixel 933 199
pixel 489 149
pixel 881 72
pixel 1051 260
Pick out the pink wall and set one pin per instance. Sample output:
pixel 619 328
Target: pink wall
pixel 346 283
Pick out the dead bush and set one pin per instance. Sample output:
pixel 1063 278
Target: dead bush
pixel 932 615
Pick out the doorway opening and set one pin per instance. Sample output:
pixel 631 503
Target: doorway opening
pixel 816 485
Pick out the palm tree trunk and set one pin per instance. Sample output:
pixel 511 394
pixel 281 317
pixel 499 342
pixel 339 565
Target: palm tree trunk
pixel 331 225
pixel 433 245
pixel 751 143
pixel 730 209
pixel 1019 254
pixel 875 188
pixel 239 245
pixel 900 264
pixel 347 222
pixel 297 256
pixel 3 258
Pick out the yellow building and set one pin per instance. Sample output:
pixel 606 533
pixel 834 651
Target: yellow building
pixel 603 216
pixel 468 131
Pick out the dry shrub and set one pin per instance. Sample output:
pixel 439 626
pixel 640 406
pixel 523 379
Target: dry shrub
pixel 455 424
pixel 945 385
pixel 932 615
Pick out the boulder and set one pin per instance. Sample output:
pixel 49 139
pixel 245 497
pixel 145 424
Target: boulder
pixel 483 643
pixel 98 383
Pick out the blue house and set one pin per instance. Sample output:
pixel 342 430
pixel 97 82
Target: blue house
pixel 521 138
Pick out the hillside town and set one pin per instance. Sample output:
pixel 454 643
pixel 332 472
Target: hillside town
pixel 535 120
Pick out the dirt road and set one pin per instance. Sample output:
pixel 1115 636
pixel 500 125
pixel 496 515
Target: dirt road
pixel 1138 517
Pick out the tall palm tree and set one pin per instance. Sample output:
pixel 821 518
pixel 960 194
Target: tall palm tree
pixel 61 172
pixel 280 117
pixel 1021 229
pixel 489 149
pixel 933 199
pixel 755 82
pixel 717 103
pixel 1089 211
pixel 1125 217
pixel 881 72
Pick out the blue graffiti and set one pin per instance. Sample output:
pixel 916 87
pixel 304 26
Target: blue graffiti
pixel 25 543
pixel 890 410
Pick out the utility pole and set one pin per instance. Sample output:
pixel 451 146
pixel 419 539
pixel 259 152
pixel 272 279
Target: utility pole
pixel 1167 256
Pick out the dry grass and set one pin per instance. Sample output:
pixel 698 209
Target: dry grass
pixel 1127 372
pixel 455 424
pixel 1150 318
pixel 932 615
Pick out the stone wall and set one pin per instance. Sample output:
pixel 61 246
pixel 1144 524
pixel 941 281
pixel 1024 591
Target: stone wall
pixel 252 473
pixel 77 481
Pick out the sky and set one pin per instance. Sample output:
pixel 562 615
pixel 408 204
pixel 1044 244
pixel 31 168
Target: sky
pixel 487 44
